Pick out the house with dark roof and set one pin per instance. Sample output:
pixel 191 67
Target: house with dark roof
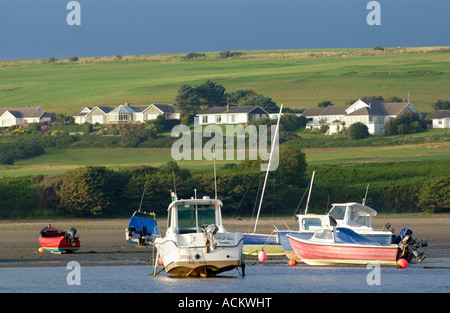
pixel 441 119
pixel 124 113
pixel 373 113
pixel 23 116
pixel 231 115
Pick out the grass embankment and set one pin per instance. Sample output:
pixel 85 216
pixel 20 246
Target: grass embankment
pixel 296 78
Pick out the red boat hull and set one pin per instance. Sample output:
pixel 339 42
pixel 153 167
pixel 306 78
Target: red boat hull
pixel 314 253
pixel 58 244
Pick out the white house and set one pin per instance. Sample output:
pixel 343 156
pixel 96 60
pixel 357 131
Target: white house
pixel 441 119
pixel 231 115
pixel 124 114
pixel 80 116
pixel 23 116
pixel 373 113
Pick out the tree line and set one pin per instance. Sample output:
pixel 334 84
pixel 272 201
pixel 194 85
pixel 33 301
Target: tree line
pixel 96 191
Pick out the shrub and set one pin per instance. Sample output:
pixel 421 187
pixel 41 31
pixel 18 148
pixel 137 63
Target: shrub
pixel 358 131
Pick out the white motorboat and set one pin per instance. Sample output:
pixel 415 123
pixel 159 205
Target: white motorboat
pixel 196 243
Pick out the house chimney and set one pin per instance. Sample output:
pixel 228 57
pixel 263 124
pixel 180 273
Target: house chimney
pixel 126 104
pixel 228 106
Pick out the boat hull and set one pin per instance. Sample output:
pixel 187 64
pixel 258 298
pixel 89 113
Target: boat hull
pixel 317 253
pixel 59 245
pixel 187 255
pixel 253 243
pixel 286 245
pixel 383 238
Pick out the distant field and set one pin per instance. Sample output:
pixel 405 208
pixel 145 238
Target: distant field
pixel 296 78
pixel 58 161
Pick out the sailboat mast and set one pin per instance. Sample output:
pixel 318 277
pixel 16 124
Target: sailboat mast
pixel 309 193
pixel 268 166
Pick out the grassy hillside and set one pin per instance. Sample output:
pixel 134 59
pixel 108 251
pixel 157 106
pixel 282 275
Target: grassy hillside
pixel 297 78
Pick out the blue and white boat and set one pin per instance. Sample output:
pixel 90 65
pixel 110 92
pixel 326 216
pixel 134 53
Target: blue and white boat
pixel 142 229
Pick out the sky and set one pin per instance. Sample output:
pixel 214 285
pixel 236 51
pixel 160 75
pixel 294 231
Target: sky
pixel 32 29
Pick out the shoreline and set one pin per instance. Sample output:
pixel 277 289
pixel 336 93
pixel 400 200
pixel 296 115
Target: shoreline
pixel 103 241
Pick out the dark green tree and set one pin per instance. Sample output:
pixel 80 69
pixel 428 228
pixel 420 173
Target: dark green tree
pixel 441 105
pixel 212 94
pixel 324 104
pixel 434 195
pixel 188 100
pixel 264 102
pixel 89 191
pixel 358 131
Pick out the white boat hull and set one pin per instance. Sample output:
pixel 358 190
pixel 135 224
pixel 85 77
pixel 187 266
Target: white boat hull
pixel 188 255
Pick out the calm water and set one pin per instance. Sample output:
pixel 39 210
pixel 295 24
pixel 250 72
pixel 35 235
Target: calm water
pixel 269 277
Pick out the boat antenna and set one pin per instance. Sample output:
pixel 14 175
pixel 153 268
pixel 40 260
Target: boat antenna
pixel 142 198
pixel 365 196
pixel 309 193
pixel 215 177
pixel 268 165
pixel 174 185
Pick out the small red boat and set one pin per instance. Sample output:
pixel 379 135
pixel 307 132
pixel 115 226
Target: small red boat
pixel 59 241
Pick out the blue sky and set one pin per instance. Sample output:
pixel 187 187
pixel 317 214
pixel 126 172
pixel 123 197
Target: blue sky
pixel 38 28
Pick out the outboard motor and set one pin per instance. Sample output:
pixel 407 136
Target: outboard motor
pixel 209 232
pixel 131 230
pixel 410 245
pixel 70 236
pixel 142 235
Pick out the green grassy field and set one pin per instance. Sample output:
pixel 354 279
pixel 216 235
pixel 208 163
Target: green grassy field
pixel 296 78
pixel 60 160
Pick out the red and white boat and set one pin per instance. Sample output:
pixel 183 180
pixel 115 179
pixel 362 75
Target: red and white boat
pixel 343 246
pixel 59 241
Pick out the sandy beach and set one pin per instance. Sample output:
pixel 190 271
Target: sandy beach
pixel 103 241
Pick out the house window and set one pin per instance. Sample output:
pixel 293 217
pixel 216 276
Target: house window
pixel 218 118
pixel 123 117
pixel 440 122
pixel 205 119
pixel 152 116
pixel 233 118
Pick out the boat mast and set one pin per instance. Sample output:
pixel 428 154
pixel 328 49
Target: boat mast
pixel 365 196
pixel 215 177
pixel 268 166
pixel 309 193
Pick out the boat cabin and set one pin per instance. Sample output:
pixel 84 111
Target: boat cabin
pixel 312 222
pixel 190 215
pixel 352 214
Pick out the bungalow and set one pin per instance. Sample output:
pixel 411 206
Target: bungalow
pixel 231 115
pixel 124 114
pixel 441 119
pixel 24 116
pixel 373 113
pixel 80 116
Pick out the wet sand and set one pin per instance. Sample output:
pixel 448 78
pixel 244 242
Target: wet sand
pixel 103 241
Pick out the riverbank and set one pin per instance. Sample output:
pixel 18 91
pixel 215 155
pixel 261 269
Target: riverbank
pixel 103 241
